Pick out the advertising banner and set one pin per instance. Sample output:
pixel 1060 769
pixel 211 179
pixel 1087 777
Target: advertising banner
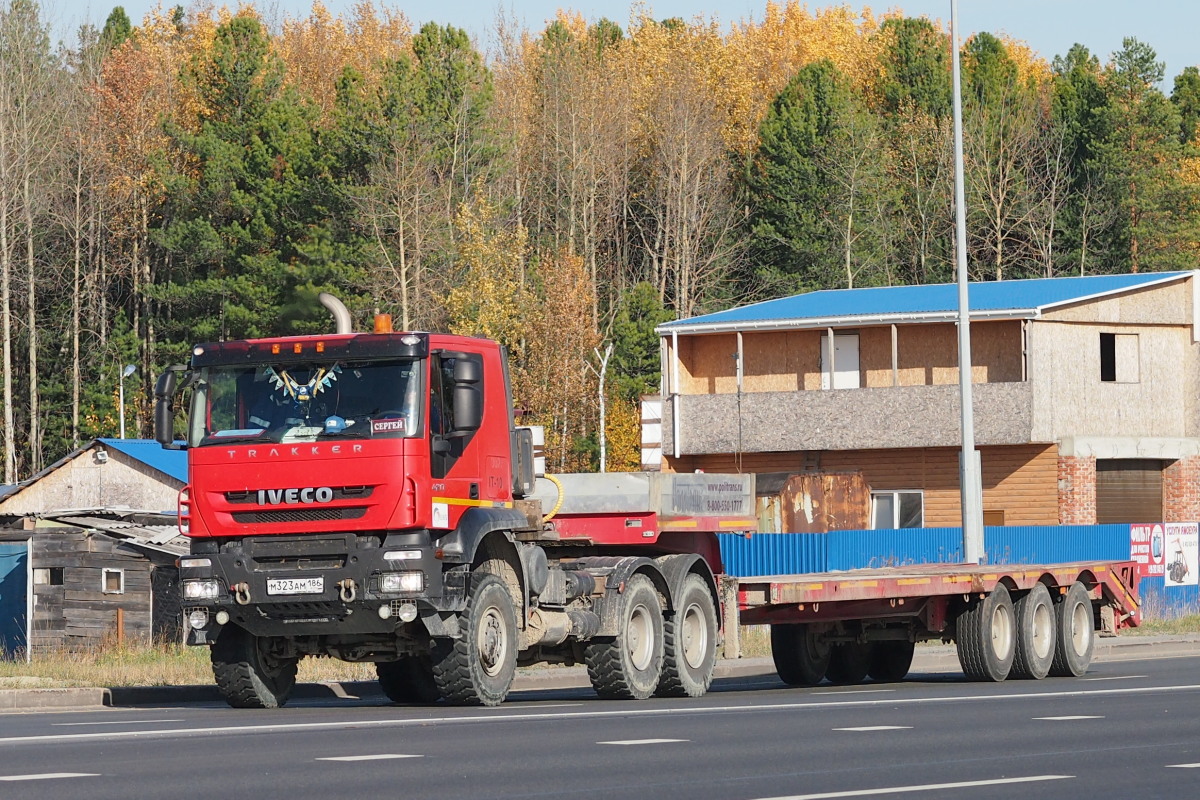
pixel 1147 546
pixel 1182 548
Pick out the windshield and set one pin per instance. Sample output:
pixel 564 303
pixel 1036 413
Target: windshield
pixel 299 402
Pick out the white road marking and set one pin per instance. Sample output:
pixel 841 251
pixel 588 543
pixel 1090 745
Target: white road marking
pixel 663 711
pixel 868 728
pixel 45 776
pixel 376 757
pixel 646 741
pixel 928 787
pixel 855 691
pixel 1182 766
pixel 115 722
pixel 1114 678
pixel 1068 718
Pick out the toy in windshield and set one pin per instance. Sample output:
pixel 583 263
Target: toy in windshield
pixel 289 401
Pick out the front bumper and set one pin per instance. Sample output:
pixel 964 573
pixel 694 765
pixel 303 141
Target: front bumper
pixel 314 585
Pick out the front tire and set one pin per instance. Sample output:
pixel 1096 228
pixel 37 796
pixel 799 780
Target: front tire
pixel 1076 640
pixel 689 642
pixel 628 667
pixel 409 679
pixel 1036 634
pixel 986 637
pixel 800 658
pixel 252 671
pixel 478 667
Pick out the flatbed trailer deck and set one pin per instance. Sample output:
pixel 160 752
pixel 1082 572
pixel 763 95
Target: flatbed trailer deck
pixel 1025 619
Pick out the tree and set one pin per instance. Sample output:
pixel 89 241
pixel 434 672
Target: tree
pixel 805 179
pixel 1186 97
pixel 1140 155
pixel 635 369
pixel 251 225
pixel 1002 120
pixel 916 69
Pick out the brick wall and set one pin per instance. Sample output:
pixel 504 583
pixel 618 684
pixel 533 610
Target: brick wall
pixel 1076 490
pixel 1181 490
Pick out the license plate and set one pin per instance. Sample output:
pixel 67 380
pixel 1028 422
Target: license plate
pixel 296 585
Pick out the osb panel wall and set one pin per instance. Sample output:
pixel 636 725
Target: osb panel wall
pixel 86 482
pixel 1070 399
pixel 1021 481
pixel 928 354
pixel 787 361
pixel 1164 305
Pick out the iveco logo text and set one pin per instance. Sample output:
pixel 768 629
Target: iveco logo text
pixel 310 494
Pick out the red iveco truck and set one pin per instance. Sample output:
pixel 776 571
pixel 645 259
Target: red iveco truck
pixel 369 497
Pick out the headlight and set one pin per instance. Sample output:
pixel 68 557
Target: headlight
pixel 201 590
pixel 402 582
pixel 194 563
pixel 401 555
pixel 198 618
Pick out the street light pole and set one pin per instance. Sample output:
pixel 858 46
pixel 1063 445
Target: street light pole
pixel 125 373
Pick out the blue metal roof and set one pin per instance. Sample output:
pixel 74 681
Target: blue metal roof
pixel 152 454
pixel 1023 298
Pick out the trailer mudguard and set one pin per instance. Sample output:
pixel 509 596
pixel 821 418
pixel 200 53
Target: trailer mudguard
pixel 620 569
pixel 677 567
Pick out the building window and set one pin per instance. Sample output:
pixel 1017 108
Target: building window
pixel 1119 358
pixel 48 576
pixel 113 581
pixel 898 509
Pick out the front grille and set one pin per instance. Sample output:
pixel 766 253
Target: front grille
pixel 300 515
pixel 339 493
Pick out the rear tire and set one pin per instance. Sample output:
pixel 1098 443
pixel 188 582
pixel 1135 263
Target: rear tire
pixel 478 667
pixel 891 660
pixel 849 663
pixel 408 679
pixel 250 671
pixel 800 659
pixel 1076 637
pixel 986 637
pixel 1036 634
pixel 689 642
pixel 628 666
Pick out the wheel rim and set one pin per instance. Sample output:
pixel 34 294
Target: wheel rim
pixel 639 639
pixel 695 636
pixel 1002 631
pixel 1081 628
pixel 1043 629
pixel 491 641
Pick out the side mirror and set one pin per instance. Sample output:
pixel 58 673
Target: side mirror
pixel 468 407
pixel 164 407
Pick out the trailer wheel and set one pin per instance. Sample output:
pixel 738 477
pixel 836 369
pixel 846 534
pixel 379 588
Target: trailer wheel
pixel 628 666
pixel 689 642
pixel 408 679
pixel 849 663
pixel 986 637
pixel 478 667
pixel 1035 634
pixel 890 660
pixel 800 658
pixel 250 671
pixel 1076 638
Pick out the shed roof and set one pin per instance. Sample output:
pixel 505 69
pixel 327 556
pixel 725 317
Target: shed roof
pixel 152 454
pixel 1021 299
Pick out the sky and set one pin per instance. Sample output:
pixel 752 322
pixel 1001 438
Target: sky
pixel 1050 27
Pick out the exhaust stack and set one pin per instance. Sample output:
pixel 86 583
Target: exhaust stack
pixel 341 314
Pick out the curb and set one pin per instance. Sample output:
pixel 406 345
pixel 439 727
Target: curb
pixel 928 658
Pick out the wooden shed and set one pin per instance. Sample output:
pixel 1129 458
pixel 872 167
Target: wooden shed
pixel 88 549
